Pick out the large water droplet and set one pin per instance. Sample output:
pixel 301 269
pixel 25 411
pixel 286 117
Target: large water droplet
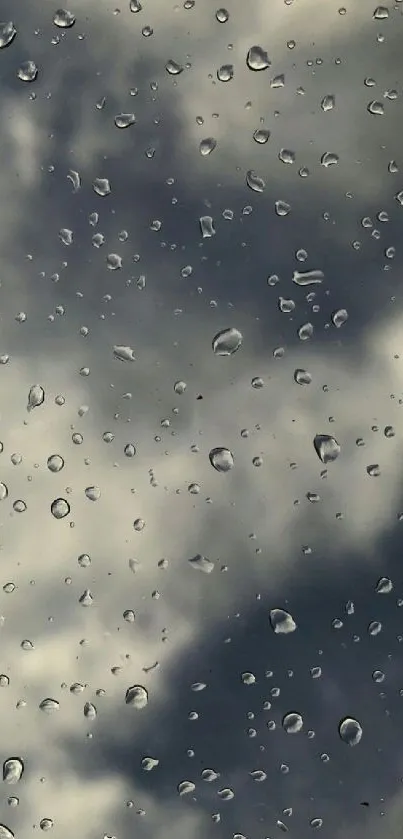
pixel 60 508
pixel 261 135
pixel 123 353
pixel 328 102
pixel 381 13
pixel 282 622
pixel 7 33
pixel 282 208
pixel 304 278
pixel 326 447
pixel 93 493
pixel 90 711
pixel 292 722
pixel 225 73
pixel 173 68
pixel 137 695
pixel 149 763
pixel 49 706
pixel 384 585
pixel 27 71
pixel 376 108
pixel 254 182
pixel 257 59
pixel 329 158
pixel 64 19
pixel 13 769
pixel 55 463
pixel 101 186
pixel 207 146
pixel 222 459
pixel 207 226
pixel 339 317
pixel 186 787
pixel 201 563
pixel 5 832
pixel 350 731
pixel 36 397
pixel 124 120
pixel 286 156
pixel 227 342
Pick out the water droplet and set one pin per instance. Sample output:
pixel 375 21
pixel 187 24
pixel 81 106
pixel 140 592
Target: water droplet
pixel 139 525
pixel 74 179
pixel 5 832
pixel 123 353
pixel 381 13
pixel 55 463
pixel 292 722
pixel 222 15
pixel 101 186
pixel 261 135
pixel 207 226
pixel 64 19
pixel 90 711
pixel 248 678
pixel 258 775
pixel 282 208
pixel 13 769
pixel 124 120
pixel 329 158
pixel 225 73
pixel 36 397
pixel 149 763
pixel 286 304
pixel 137 695
pixel 384 585
pixel 339 317
pixel 328 102
pixel 209 775
pixel 173 68
pixel 19 506
pixel 350 731
pixel 201 563
pixel 254 182
pixel 225 794
pixel 129 450
pixel 227 342
pixel 135 6
pixel 305 331
pixel 46 824
pixel 93 493
pixel 282 622
pixel 3 491
pixel 207 146
pixel 257 59
pixel 378 676
pixel 180 387
pixel 7 33
pixel 277 81
pixel 302 377
pixel 376 108
pixel 326 447
pixel 304 278
pixel 184 788
pixel 49 706
pixel 373 470
pixel 221 459
pixel 60 508
pixel 374 628
pixel 86 599
pixel 316 823
pixel 27 71
pixel 286 156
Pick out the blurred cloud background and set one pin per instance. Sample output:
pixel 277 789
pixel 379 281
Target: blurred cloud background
pixel 282 529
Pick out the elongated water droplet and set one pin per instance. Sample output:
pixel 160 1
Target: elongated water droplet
pixel 257 59
pixel 207 226
pixel 258 775
pixel 36 397
pixel 254 182
pixel 123 353
pixel 124 120
pixel 304 278
pixel 49 706
pixel 350 731
pixel 201 563
pixel 13 769
pixel 7 33
pixel 173 68
pixel 227 342
pixel 282 622
pixel 75 180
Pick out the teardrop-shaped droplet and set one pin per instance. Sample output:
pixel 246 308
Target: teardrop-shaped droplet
pixel 207 145
pixel 257 59
pixel 124 120
pixel 36 397
pixel 227 342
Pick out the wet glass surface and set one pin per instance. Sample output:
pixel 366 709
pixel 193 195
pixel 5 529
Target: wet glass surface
pixel 201 437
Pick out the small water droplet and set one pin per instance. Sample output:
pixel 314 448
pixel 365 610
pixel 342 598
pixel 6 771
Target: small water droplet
pixel 90 711
pixel 184 788
pixel 381 13
pixel 64 19
pixel 149 763
pixel 222 15
pixel 225 73
pixel 286 156
pixel 329 158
